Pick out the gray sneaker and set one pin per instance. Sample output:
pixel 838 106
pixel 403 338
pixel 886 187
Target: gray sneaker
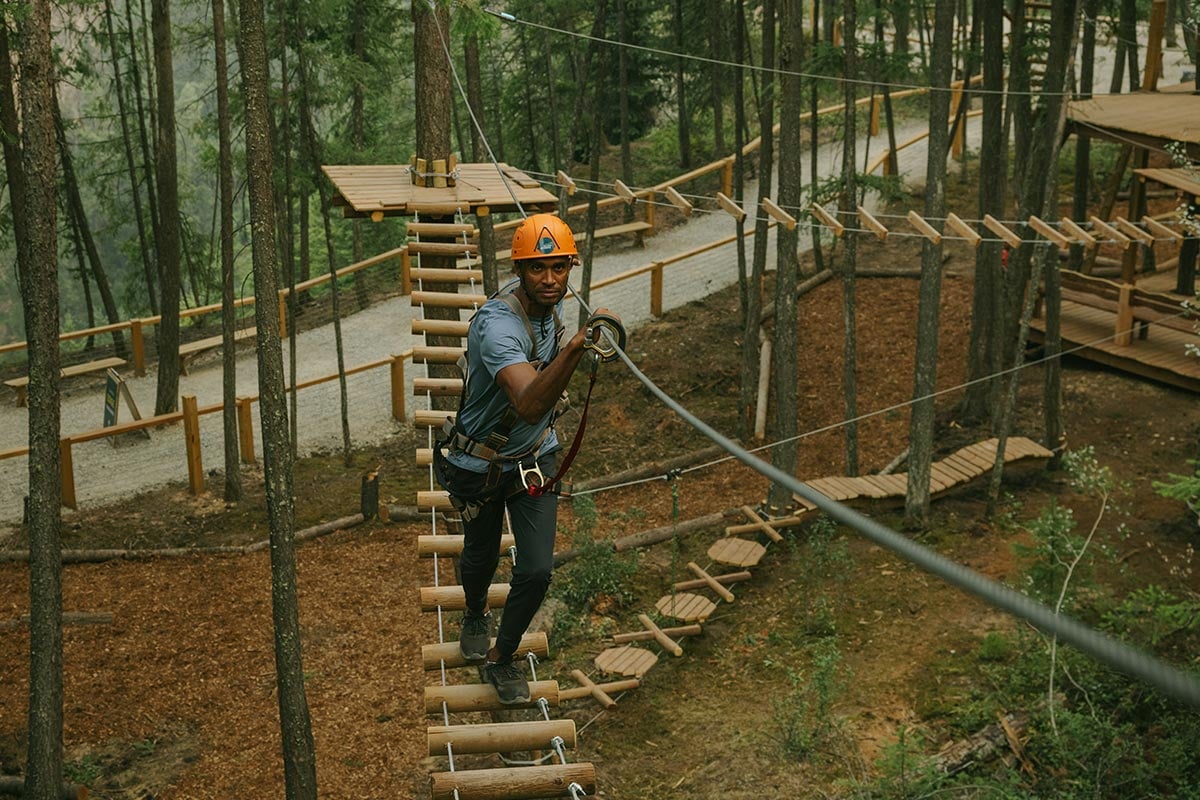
pixel 475 638
pixel 509 682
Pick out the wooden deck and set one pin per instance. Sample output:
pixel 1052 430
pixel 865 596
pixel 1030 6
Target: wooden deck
pixel 1161 356
pixel 379 190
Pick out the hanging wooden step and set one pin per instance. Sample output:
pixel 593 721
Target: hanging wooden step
pixel 775 524
pixel 431 418
pixel 437 387
pixel 467 276
pixel 440 327
pixel 685 606
pixel 436 500
pixel 424 456
pixel 500 737
pixel 437 355
pixel 482 697
pixel 710 582
pixel 445 544
pixel 762 524
pixel 736 552
pixel 643 635
pixel 597 692
pixel 832 488
pixel 608 688
pixel 434 656
pixel 448 299
pixel 452 598
pixel 513 783
pixel 445 230
pixel 724 580
pixel 630 661
pixel 449 249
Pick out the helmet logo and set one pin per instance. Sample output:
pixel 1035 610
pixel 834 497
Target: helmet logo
pixel 546 244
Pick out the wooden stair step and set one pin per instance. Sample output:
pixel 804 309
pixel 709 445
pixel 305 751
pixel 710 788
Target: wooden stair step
pixel 434 500
pixel 438 275
pixel 452 598
pixel 685 606
pixel 446 229
pixel 447 299
pixel 513 783
pixel 736 552
pixel 449 249
pixel 482 697
pixel 626 660
pixel 424 456
pixel 437 387
pixel 423 354
pixel 432 418
pixel 440 327
pixel 434 656
pixel 500 737
pixel 446 544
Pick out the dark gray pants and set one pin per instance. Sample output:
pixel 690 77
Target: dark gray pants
pixel 534 524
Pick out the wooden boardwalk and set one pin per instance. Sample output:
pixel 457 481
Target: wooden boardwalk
pixel 1162 356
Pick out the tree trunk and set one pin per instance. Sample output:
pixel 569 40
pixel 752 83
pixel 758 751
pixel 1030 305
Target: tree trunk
pixel 685 135
pixel 717 77
pixel 167 393
pixel 142 115
pixel 89 243
pixel 595 150
pixel 984 346
pixel 82 271
pixel 556 159
pixel 144 245
pixel 359 13
pixel 847 205
pixel 299 758
pixel 32 184
pixel 1129 33
pixel 814 156
pixel 916 501
pixel 623 105
pixel 531 130
pixel 747 383
pixel 1083 144
pixel 233 474
pixel 487 231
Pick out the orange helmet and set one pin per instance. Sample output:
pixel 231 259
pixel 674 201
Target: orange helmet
pixel 543 236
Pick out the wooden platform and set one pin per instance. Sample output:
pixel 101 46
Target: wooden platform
pixel 386 190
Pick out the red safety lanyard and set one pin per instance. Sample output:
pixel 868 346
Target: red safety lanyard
pixel 538 491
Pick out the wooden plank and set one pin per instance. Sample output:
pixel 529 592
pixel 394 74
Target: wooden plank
pixel 1079 234
pixel 963 229
pixel 730 207
pixel 711 582
pixel 1133 231
pixel 995 226
pixel 774 210
pixel 828 220
pixel 872 224
pixel 1109 232
pixel 664 641
pixel 626 660
pixel 1049 233
pixel 448 544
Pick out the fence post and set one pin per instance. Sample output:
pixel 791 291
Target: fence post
pixel 66 471
pixel 398 411
pixel 138 347
pixel 1124 329
pixel 876 102
pixel 283 319
pixel 650 210
pixel 656 289
pixel 405 272
pixel 727 178
pixel 191 437
pixel 245 430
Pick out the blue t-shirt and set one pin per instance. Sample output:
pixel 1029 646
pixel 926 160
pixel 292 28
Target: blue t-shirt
pixel 497 339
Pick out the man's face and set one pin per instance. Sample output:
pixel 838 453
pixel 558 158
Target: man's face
pixel 544 280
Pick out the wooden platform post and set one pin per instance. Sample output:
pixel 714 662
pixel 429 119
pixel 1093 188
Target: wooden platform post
pixel 405 272
pixel 656 290
pixel 398 390
pixel 66 471
pixel 191 437
pixel 283 317
pixel 245 430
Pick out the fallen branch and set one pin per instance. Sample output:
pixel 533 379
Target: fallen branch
pixel 659 468
pixel 654 535
pixel 981 745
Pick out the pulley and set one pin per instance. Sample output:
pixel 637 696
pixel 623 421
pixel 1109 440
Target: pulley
pixel 605 336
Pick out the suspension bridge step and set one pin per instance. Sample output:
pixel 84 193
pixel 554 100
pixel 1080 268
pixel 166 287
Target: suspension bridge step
pixel 437 355
pixel 453 598
pixel 448 299
pixel 736 552
pixel 630 661
pixel 433 656
pixel 500 737
pixel 446 544
pixel 482 697
pixel 724 580
pixel 685 606
pixel 435 500
pixel 710 581
pixel 666 642
pixel 600 692
pixel 776 524
pixel 429 418
pixel 446 229
pixel 513 783
pixel 440 327
pixel 644 635
pixel 424 456
pixel 760 523
pixel 451 249
pixel 446 275
pixel 437 387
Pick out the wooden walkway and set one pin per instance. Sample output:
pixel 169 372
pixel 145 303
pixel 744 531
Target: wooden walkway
pixel 1162 356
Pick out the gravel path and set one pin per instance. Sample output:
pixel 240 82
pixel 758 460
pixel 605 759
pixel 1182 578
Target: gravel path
pixel 106 472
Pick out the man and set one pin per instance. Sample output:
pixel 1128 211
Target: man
pixel 503 442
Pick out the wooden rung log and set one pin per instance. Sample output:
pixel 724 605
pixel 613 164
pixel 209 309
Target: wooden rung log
pixel 440 327
pixel 710 582
pixel 448 299
pixel 431 418
pixel 438 387
pixel 612 687
pixel 624 191
pixel 964 230
pixel 482 697
pixel 749 527
pixel 761 524
pixel 424 456
pixel 565 180
pixel 446 544
pixel 500 737
pixel 678 200
pixel 645 636
pixel 1109 232
pixel 442 248
pixel 828 220
pixel 1159 230
pixel 668 644
pixel 434 500
pixel 728 577
pixel 598 693
pixel 1077 233
pixel 772 208
pixel 504 783
pixel 995 226
pixel 873 225
pixel 1049 233
pixel 730 207
pixel 452 598
pixel 437 355
pixel 433 656
pixel 441 229
pixel 1133 231
pixel 446 275
pixel 923 227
